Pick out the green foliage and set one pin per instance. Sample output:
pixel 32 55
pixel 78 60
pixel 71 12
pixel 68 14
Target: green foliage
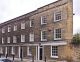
pixel 76 39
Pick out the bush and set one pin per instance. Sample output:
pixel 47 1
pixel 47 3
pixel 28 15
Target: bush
pixel 76 39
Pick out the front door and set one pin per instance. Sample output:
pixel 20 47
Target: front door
pixel 41 53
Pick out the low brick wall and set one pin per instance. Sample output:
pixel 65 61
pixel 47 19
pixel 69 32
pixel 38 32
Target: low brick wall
pixel 76 53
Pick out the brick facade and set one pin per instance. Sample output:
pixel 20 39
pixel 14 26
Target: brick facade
pixel 39 47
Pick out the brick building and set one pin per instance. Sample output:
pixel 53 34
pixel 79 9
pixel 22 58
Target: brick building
pixel 45 32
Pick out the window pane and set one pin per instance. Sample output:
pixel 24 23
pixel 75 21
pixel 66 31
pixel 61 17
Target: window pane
pixel 8 39
pixel 3 40
pixel 14 39
pixel 3 30
pixel 57 33
pixel 29 51
pixel 9 28
pixel 43 36
pixel 54 51
pixel 22 38
pixel 31 23
pixel 57 16
pixel 22 25
pixel 43 19
pixel 15 27
pixel 31 37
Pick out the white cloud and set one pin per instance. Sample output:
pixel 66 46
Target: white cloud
pixel 76 8
pixel 13 8
pixel 76 24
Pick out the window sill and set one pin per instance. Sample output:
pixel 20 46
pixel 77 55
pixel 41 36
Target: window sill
pixel 8 43
pixel 22 42
pixel 31 41
pixel 57 20
pixel 43 39
pixel 31 26
pixel 54 57
pixel 23 29
pixel 43 23
pixel 14 42
pixel 3 33
pixel 57 38
pixel 29 54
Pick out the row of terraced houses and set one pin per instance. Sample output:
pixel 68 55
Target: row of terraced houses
pixel 45 32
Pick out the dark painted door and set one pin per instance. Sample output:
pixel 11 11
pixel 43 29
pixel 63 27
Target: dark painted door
pixel 41 53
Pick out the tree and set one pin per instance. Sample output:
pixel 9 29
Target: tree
pixel 76 39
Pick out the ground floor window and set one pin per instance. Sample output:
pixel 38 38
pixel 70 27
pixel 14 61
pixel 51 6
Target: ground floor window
pixel 54 51
pixel 29 51
pixel 6 50
pixel 12 50
pixel 1 50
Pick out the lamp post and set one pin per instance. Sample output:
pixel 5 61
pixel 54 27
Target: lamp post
pixel 0 55
pixel 13 56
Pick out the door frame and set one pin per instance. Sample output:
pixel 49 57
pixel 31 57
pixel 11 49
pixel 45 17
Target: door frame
pixel 39 52
pixel 19 51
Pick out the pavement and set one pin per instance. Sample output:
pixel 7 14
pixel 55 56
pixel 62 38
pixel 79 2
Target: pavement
pixel 24 60
pixel 27 60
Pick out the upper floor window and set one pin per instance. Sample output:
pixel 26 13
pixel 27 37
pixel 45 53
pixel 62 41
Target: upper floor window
pixel 22 25
pixel 29 51
pixel 15 27
pixel 22 38
pixel 54 51
pixel 31 23
pixel 3 40
pixel 8 39
pixel 57 34
pixel 43 20
pixel 3 30
pixel 43 36
pixel 57 16
pixel 14 39
pixel 9 28
pixel 31 37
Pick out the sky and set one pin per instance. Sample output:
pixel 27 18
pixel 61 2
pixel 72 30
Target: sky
pixel 10 9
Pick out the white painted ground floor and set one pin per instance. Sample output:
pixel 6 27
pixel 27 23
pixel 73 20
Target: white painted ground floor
pixel 38 51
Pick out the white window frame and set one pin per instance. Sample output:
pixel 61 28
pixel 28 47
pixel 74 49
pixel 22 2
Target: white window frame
pixel 9 28
pixel 3 40
pixel 14 39
pixel 42 20
pixel 22 25
pixel 31 23
pixel 1 50
pixel 8 39
pixel 6 50
pixel 22 38
pixel 3 30
pixel 58 33
pixel 31 37
pixel 56 13
pixel 12 50
pixel 54 56
pixel 15 27
pixel 42 36
pixel 28 51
